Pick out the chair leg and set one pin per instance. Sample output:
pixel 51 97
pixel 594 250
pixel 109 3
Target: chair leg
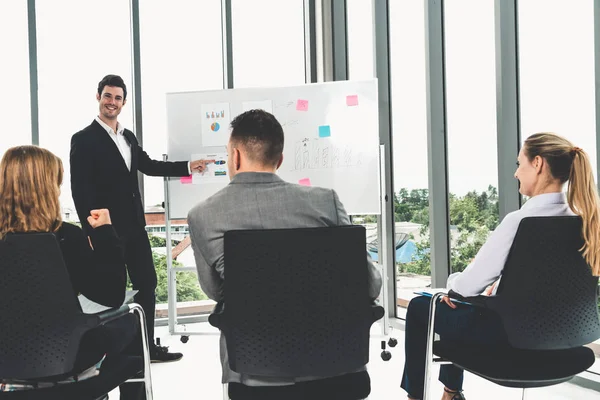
pixel 523 394
pixel 134 307
pixel 429 349
pixel 225 392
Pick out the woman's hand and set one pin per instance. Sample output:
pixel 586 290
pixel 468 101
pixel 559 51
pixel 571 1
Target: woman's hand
pixel 447 300
pixel 99 217
pixel 490 289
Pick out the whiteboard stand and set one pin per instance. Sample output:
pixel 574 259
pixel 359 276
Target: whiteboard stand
pixel 382 248
pixel 172 274
pixel 326 145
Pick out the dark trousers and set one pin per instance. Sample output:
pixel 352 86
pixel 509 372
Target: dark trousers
pixel 121 336
pixel 464 324
pixel 140 266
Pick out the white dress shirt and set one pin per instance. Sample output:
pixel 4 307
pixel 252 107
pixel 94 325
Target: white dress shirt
pixel 489 262
pixel 120 141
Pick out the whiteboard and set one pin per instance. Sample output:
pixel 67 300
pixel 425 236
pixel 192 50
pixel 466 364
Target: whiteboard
pixel 331 133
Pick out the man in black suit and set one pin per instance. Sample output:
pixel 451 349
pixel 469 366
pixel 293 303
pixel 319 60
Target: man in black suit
pixel 105 160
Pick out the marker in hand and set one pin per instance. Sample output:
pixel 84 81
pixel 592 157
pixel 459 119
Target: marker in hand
pixel 200 165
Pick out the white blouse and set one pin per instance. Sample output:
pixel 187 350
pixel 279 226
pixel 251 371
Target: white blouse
pixel 489 262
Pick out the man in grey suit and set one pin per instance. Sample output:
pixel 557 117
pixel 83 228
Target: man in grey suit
pixel 256 198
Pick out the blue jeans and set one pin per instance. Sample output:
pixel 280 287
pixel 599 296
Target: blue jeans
pixel 463 324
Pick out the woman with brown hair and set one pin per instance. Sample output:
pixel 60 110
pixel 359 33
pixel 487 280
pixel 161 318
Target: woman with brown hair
pixel 545 163
pixel 30 180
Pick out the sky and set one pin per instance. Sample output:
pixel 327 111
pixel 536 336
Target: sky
pixel 181 51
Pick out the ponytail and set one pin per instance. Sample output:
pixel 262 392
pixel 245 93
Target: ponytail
pixel 583 200
pixel 572 164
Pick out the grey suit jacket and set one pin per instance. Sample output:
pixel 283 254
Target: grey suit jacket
pixel 255 200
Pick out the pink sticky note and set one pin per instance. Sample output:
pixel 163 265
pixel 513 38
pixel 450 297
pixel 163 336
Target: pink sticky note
pixel 185 180
pixel 352 100
pixel 304 181
pixel 302 105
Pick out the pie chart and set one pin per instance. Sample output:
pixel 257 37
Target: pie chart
pixel 215 127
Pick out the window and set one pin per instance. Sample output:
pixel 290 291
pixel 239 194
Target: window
pixel 14 106
pixel 361 66
pixel 361 62
pixel 556 66
pixel 268 42
pixel 471 124
pixel 409 127
pixel 74 54
pixel 181 50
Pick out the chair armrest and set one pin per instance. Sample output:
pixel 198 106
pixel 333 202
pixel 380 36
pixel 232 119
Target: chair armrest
pixel 377 312
pixel 112 314
pixel 217 315
pixel 476 301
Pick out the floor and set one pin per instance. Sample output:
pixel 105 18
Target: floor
pixel 198 374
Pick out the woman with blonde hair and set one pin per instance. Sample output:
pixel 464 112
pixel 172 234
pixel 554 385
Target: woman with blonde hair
pixel 30 180
pixel 545 163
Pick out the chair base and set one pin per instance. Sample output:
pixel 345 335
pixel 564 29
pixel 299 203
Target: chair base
pixel 517 368
pixel 520 384
pixel 354 386
pixel 122 367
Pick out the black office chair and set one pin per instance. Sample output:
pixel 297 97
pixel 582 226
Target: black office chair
pixel 297 305
pixel 547 300
pixel 41 325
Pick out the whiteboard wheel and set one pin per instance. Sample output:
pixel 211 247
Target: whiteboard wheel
pixel 184 339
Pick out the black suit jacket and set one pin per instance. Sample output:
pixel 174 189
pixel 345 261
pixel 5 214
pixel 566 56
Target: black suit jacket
pixel 98 273
pixel 100 178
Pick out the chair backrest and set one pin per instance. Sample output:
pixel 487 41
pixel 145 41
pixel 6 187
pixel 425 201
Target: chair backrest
pixel 40 317
pixel 547 296
pixel 296 301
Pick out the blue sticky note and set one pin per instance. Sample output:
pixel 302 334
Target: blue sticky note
pixel 324 131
